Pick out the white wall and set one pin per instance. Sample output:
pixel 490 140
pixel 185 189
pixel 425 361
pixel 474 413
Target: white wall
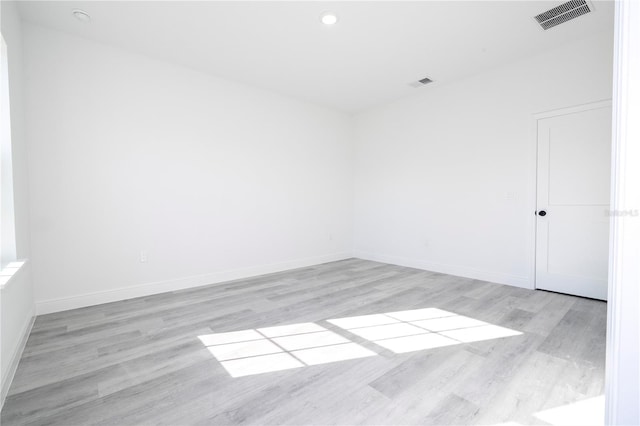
pixel 623 325
pixel 17 312
pixel 214 180
pixel 16 298
pixel 432 175
pixel 434 172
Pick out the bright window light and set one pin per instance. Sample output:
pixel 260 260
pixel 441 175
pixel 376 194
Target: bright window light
pixel 270 349
pixel 11 268
pixel 7 221
pixel 244 349
pixel 588 412
pixel 261 364
pixel 362 321
pixel 476 334
pixel 448 323
pixel 309 340
pixel 419 342
pixel 326 354
pixel 9 271
pixel 288 330
pixel 420 329
pixel 285 347
pixel 420 314
pixel 388 331
pixel 233 337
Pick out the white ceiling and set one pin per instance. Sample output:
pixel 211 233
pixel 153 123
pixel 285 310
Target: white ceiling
pixel 368 58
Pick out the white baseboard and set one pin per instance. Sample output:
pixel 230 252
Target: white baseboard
pixel 15 357
pixel 147 289
pixel 461 271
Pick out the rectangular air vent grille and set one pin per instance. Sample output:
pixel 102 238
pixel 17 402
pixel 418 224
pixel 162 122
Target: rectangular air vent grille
pixel 563 13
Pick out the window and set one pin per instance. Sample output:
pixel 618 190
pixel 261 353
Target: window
pixel 7 221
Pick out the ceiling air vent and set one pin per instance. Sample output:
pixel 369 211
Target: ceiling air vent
pixel 421 82
pixel 563 13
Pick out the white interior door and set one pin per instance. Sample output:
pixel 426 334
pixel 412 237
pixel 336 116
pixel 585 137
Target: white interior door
pixel 574 174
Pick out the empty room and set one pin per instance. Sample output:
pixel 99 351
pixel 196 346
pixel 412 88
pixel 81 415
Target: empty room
pixel 320 213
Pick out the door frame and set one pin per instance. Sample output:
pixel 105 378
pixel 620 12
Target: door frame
pixel 622 375
pixel 604 103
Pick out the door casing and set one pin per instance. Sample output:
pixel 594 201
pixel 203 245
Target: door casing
pixel 534 170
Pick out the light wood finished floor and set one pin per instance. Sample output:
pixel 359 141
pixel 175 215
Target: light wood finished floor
pixel 141 361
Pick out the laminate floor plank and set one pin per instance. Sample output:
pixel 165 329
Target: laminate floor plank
pixel 489 353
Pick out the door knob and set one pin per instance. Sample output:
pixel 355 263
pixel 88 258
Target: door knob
pixel 542 213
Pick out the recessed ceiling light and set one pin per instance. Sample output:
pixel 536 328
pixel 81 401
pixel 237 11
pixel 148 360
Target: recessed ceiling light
pixel 81 15
pixel 329 18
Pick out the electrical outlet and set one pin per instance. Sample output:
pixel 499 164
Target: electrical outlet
pixel 143 256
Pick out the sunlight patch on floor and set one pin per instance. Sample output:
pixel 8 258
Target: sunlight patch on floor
pixel 261 364
pixel 420 329
pixel 263 350
pixel 588 412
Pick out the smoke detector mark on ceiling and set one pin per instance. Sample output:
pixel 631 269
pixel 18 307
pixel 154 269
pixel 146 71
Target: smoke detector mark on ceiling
pixel 421 82
pixel 563 13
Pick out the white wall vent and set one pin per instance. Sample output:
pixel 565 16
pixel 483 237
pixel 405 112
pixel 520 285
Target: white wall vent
pixel 563 13
pixel 421 82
